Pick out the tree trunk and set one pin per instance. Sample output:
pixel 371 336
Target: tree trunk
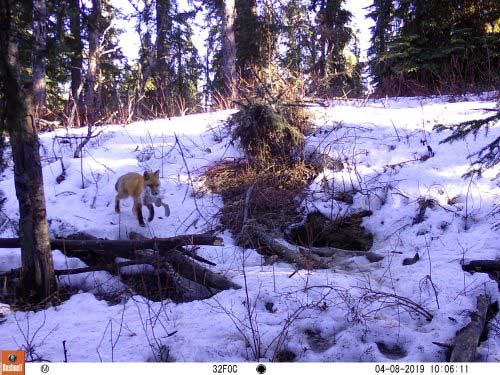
pixel 248 37
pixel 228 48
pixel 92 111
pixel 76 49
pixel 39 53
pixel 162 27
pixel 37 279
pixel 325 30
pixel 146 65
pixel 162 8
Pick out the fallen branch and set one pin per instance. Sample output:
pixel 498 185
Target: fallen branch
pixel 392 298
pixel 192 270
pixel 467 338
pixel 122 248
pixel 16 272
pixel 165 254
pixel 197 273
pixel 283 249
pixel 342 253
pixel 253 235
pixel 196 257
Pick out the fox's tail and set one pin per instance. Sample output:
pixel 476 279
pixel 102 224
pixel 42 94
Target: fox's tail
pixel 116 185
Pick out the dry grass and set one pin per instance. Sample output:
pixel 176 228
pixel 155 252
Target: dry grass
pixel 265 187
pixel 273 202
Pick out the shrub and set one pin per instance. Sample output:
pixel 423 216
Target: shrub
pixel 265 134
pixel 273 118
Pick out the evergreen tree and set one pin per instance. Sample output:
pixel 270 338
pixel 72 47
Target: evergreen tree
pixel 382 12
pixel 435 46
pixel 227 10
pixel 335 36
pixel 167 79
pixel 184 63
pixel 95 31
pixel 75 49
pixel 248 34
pixel 39 53
pixel 38 281
pixel 58 57
pixel 296 35
pixel 163 26
pixel 488 156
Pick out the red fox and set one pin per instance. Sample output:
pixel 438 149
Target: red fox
pixel 143 189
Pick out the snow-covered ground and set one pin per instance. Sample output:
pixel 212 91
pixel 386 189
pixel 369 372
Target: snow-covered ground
pixel 352 312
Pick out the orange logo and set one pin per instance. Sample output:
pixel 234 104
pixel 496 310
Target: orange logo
pixel 12 362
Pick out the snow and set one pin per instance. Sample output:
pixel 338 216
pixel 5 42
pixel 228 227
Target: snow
pixel 380 143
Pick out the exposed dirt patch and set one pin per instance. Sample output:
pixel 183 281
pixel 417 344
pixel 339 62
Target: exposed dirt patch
pixel 285 355
pixel 344 233
pixel 317 342
pixel 272 200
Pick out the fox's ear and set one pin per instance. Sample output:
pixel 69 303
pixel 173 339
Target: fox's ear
pixel 146 175
pixel 157 173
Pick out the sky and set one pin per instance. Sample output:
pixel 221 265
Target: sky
pixel 129 40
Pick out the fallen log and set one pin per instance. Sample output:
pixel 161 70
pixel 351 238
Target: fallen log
pixel 122 248
pixel 482 266
pixel 289 252
pixel 172 256
pixel 467 338
pixel 187 279
pixel 16 272
pixel 80 236
pixel 197 273
pixel 342 253
pixel 303 257
pixel 192 270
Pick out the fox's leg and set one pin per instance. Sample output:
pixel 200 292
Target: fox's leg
pixel 151 212
pixel 138 212
pixel 117 201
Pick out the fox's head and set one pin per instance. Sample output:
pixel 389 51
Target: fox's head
pixel 152 181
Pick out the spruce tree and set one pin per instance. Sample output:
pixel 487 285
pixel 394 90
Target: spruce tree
pixel 248 34
pixel 382 12
pixel 335 35
pixel 488 156
pixel 39 52
pixel 422 47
